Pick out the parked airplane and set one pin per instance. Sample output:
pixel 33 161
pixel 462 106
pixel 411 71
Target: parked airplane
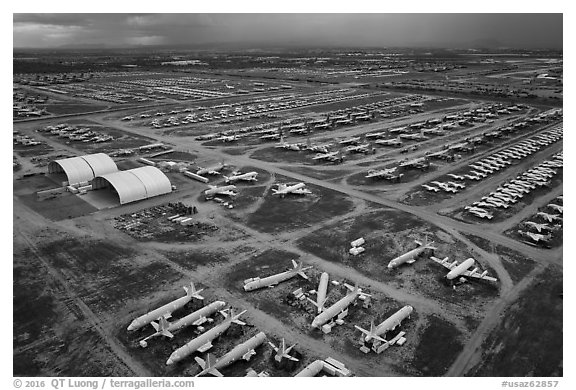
pixel 461 270
pixel 249 176
pixel 430 188
pixel 242 351
pixel 388 324
pixel 167 309
pixel 375 135
pixel 386 173
pixel 203 342
pixel 348 141
pixel 297 189
pixel 363 148
pixel 321 292
pixel 457 185
pixel 325 156
pixel 339 309
pixel 320 148
pixel 164 328
pixel 283 352
pixel 410 256
pixel 548 217
pixel 285 145
pixel 224 190
pixel 457 177
pixel 556 207
pixel 214 170
pixel 389 142
pixel 535 236
pixel 271 281
pixel 481 213
pixel 228 138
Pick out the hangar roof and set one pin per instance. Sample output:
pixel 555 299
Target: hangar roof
pixel 135 184
pixel 83 168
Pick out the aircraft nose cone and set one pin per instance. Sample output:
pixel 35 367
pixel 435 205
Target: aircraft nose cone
pixel 169 361
pixel 131 326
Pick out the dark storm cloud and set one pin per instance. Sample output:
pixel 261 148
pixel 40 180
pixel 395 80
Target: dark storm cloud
pixel 519 30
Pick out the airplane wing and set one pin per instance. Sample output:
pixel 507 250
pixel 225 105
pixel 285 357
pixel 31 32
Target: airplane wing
pixel 227 192
pixel 444 262
pixel 478 275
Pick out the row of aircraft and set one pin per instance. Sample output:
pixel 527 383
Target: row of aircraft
pixel 228 190
pixel 544 231
pixel 327 317
pixel 203 342
pixel 510 192
pixel 456 270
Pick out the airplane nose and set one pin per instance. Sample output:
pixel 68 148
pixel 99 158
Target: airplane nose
pixel 169 361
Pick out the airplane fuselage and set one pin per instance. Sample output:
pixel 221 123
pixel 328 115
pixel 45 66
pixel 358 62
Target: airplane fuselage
pixel 161 311
pixel 270 280
pixel 406 257
pixel 460 269
pixel 237 353
pixel 194 344
pixel 335 309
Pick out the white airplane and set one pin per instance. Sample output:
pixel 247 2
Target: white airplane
pixel 430 188
pixel 348 141
pixel 556 207
pixel 273 280
pixel 197 318
pixel 472 177
pixel 548 217
pixel 319 148
pixel 481 214
pixel 339 309
pixel 363 148
pixel 203 342
pixel 461 270
pixel 228 138
pixel 325 156
pixel 214 170
pixel 389 142
pixel 410 256
pixel 457 185
pixel 535 237
pixel 375 135
pixel 166 310
pixel 388 324
pixel 381 173
pixel 249 176
pixel 224 190
pixel 297 189
pixel 321 292
pixel 457 177
pixel 285 145
pixel 283 352
pixel 244 351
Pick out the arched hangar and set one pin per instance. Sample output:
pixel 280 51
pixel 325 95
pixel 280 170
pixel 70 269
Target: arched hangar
pixel 134 184
pixel 83 168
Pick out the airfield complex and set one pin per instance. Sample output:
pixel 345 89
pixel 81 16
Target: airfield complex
pixel 379 213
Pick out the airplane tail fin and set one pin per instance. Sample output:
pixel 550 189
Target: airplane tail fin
pixel 162 327
pixel 192 292
pixel 208 366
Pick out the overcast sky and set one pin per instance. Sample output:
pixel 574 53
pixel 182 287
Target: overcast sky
pixel 512 30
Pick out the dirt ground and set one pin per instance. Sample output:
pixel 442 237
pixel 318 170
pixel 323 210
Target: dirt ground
pixel 88 279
